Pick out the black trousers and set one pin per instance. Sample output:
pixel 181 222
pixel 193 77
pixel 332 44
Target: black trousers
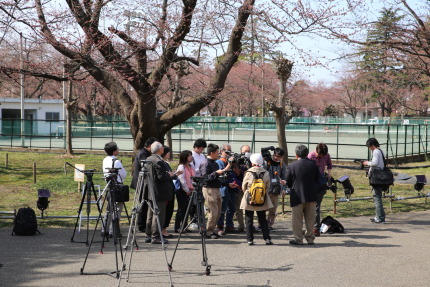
pixel 262 221
pixel 141 218
pixel 169 212
pixel 182 199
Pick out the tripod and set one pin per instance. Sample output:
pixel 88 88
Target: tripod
pixel 112 215
pixel 199 218
pixel 88 189
pixel 143 182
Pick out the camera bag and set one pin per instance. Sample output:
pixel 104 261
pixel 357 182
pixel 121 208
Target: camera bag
pixel 25 222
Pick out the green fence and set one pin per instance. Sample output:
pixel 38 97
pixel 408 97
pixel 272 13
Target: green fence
pixel 345 140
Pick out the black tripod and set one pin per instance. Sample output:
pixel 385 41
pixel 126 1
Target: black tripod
pixel 199 218
pixel 143 194
pixel 88 189
pixel 112 217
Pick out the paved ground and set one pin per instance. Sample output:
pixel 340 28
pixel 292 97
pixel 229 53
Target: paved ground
pixel 392 254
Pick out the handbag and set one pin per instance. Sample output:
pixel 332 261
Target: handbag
pixel 381 177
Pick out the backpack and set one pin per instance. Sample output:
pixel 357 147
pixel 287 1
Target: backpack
pixel 331 225
pixel 257 192
pixel 25 222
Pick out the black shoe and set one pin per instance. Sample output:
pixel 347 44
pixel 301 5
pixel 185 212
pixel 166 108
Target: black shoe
pixel 269 242
pixel 148 239
pixel 158 241
pixel 250 243
pixel 293 242
pixel 212 236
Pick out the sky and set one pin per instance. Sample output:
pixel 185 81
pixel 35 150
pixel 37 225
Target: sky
pixel 329 51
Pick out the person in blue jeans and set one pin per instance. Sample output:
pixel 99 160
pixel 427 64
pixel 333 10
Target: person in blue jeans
pixel 376 162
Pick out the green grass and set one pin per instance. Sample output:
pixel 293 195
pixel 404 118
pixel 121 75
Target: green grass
pixel 17 188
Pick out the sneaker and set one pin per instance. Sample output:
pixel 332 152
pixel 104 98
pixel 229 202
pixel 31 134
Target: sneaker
pixel 269 242
pixel 212 236
pixel 148 239
pixel 194 226
pixel 250 243
pixel 376 220
pixel 221 232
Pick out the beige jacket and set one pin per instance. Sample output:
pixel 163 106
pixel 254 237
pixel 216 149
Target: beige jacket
pixel 246 185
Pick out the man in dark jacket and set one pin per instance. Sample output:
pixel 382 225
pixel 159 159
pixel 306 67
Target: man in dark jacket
pixel 142 154
pixel 160 191
pixel 211 191
pixel 302 179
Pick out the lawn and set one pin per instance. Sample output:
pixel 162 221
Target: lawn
pixel 17 188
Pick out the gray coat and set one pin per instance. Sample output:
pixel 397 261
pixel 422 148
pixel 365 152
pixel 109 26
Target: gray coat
pixel 246 185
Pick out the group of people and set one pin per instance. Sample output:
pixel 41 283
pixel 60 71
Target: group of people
pixel 226 191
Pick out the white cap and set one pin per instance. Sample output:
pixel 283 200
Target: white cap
pixel 257 159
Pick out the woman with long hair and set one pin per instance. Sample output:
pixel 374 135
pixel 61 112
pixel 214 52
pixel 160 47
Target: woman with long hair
pixel 183 194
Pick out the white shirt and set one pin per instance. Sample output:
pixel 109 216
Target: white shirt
pixel 199 163
pixel 377 159
pixel 107 163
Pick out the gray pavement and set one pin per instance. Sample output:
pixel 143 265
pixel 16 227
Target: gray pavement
pixel 367 254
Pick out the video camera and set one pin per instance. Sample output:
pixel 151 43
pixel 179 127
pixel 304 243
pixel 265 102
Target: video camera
pixel 240 159
pixel 361 161
pixel 265 152
pixel 199 181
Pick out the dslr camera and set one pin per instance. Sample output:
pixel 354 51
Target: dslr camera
pixel 265 152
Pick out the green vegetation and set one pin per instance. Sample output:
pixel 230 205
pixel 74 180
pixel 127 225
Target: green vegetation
pixel 17 188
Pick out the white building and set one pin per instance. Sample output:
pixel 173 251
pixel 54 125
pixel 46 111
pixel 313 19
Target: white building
pixel 43 116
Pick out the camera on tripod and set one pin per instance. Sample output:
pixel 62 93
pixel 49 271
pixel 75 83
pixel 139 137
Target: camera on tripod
pixel 265 152
pixel 199 182
pixel 111 173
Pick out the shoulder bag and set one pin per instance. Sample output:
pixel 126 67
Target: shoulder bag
pixel 381 177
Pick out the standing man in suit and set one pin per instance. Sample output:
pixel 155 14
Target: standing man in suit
pixel 302 179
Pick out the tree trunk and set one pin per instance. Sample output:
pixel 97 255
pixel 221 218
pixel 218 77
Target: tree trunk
pixel 69 108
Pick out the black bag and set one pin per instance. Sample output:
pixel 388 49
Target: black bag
pixel 381 177
pixel 334 226
pixel 25 222
pixel 122 193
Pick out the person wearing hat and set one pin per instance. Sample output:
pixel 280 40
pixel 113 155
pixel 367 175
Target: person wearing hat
pixel 257 168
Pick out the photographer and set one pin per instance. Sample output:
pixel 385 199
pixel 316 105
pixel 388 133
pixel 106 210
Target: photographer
pixel 246 151
pixel 376 163
pixel 162 186
pixel 142 154
pixel 211 191
pixel 109 162
pixel 227 193
pixel 323 160
pixel 199 166
pixel 277 170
